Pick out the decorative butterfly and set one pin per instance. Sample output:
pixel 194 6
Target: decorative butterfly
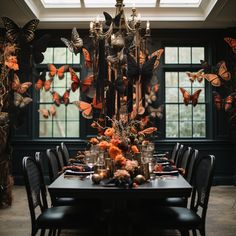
pixel 76 82
pixel 109 20
pixel 87 108
pixel 58 99
pixel 193 76
pixel 20 101
pixel 15 33
pixel 60 72
pixel 87 58
pixel 231 42
pixel 187 97
pixel 39 47
pixel 222 73
pixel 18 87
pixel 43 83
pixel 151 96
pixel 225 103
pixel 75 44
pixel 46 113
pixel 156 112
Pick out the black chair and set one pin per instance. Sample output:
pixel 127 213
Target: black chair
pixel 179 155
pixel 193 158
pixel 182 218
pixel 60 158
pixel 185 160
pixel 53 167
pixel 55 218
pixel 65 153
pixel 174 152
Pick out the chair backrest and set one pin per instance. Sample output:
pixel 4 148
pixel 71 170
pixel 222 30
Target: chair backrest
pixel 179 155
pixel 184 160
pixel 53 166
pixel 192 159
pixel 35 187
pixel 174 151
pixel 203 171
pixel 65 154
pixel 59 157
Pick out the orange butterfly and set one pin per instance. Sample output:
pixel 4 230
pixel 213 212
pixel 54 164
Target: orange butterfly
pixel 187 97
pixel 193 76
pixel 11 63
pixel 87 58
pixel 85 84
pixel 18 87
pixel 43 83
pixel 60 72
pixel 87 108
pixel 58 99
pixel 222 73
pixel 232 43
pixel 226 103
pixel 48 112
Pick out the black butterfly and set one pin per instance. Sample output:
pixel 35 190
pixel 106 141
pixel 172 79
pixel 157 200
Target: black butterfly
pixel 109 19
pixel 75 44
pixel 14 33
pixel 38 47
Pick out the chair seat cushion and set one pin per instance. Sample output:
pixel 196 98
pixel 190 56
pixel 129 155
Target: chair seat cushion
pixel 66 201
pixel 173 201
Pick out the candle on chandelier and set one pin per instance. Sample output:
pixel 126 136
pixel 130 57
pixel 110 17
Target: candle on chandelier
pixel 91 26
pixel 139 17
pixel 97 19
pixel 148 25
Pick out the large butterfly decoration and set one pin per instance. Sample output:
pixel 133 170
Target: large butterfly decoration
pixel 222 74
pixel 58 99
pixel 20 101
pixel 226 103
pixel 14 33
pixel 193 76
pixel 231 42
pixel 59 72
pixel 156 112
pixel 18 87
pixel 43 83
pixel 76 82
pixel 188 97
pixel 87 108
pixel 46 113
pixel 109 20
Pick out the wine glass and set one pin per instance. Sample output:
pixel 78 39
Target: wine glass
pixel 90 161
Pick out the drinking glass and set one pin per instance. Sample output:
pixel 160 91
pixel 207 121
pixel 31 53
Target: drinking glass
pixel 90 161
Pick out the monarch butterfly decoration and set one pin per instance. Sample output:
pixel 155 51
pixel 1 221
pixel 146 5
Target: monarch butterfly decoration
pixel 156 112
pixel 58 99
pixel 222 75
pixel 232 43
pixel 46 113
pixel 226 103
pixel 16 34
pixel 187 98
pixel 193 76
pixel 20 101
pixel 43 83
pixel 87 108
pixel 18 87
pixel 59 72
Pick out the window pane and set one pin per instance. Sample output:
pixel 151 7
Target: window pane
pixel 59 129
pixel 61 83
pixel 60 55
pixel 45 129
pixel 72 112
pixel 61 113
pixel 199 112
pixel 197 54
pixel 171 79
pixel 172 95
pixel 199 129
pixel 172 130
pixel 185 113
pixel 171 55
pixel 184 80
pixel 73 129
pixel 186 129
pixel 196 84
pixel 184 55
pixel 45 96
pixel 171 112
pixel 48 56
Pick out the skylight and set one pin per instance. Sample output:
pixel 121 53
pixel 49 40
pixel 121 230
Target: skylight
pixel 180 3
pixel 61 3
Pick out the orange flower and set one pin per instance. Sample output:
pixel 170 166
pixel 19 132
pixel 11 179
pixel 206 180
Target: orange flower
pixel 149 130
pixel 109 132
pixel 11 63
pixel 115 141
pixel 104 145
pixel 114 151
pixel 120 159
pixel 94 141
pixel 134 149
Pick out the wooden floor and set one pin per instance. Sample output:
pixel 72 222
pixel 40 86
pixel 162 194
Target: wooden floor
pixel 221 217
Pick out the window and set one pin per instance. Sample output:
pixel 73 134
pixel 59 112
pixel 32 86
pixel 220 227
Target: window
pixel 183 121
pixel 66 122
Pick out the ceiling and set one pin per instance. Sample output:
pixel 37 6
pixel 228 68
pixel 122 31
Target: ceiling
pixel 209 14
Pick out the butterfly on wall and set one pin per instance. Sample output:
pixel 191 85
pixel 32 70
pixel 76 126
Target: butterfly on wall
pixel 43 83
pixel 14 33
pixel 46 113
pixel 193 76
pixel 188 97
pixel 59 72
pixel 20 101
pixel 87 108
pixel 58 99
pixel 87 58
pixel 109 20
pixel 226 103
pixel 231 42
pixel 151 96
pixel 18 87
pixel 83 84
pixel 222 74
pixel 156 112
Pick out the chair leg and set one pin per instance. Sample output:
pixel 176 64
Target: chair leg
pixel 184 233
pixel 58 232
pixel 202 231
pixel 194 232
pixel 50 232
pixel 42 233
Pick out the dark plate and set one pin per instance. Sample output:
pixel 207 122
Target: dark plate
pixel 72 172
pixel 172 172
